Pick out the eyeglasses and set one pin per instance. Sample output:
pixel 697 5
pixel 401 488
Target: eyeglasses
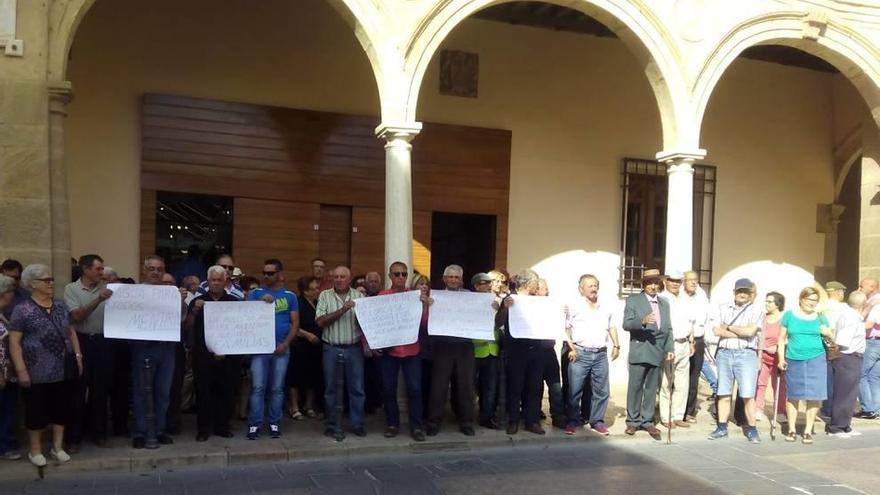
pixel 399 274
pixel 269 274
pixel 47 280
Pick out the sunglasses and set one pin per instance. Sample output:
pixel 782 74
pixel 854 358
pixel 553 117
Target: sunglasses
pixel 269 274
pixel 399 274
pixel 228 267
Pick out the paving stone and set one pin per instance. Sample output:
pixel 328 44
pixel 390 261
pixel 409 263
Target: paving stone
pixel 798 478
pixel 839 489
pixel 756 487
pixel 722 474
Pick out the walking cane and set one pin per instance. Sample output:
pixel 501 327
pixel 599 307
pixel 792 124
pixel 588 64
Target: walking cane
pixel 150 416
pixel 671 376
pixel 340 398
pixel 775 404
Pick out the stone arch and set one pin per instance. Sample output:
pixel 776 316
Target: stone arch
pixel 362 15
pixel 851 53
pixel 631 20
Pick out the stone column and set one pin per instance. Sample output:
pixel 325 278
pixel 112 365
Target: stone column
pixel 398 191
pixel 679 209
pixel 869 231
pixel 60 95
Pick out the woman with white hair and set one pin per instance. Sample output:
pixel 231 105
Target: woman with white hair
pixel 8 383
pixel 47 361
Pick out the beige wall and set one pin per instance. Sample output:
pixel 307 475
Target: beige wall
pixel 576 105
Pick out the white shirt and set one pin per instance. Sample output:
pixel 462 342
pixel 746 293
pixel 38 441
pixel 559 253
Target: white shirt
pixel 588 324
pixel 681 326
pixel 849 331
pixel 833 311
pixel 751 315
pixel 695 309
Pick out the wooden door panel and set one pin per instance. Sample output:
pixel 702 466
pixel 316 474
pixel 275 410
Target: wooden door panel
pixel 275 229
pixel 334 235
pixel 368 243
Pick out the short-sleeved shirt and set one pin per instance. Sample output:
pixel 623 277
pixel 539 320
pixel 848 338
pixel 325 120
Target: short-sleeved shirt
pixel 285 304
pixel 400 351
pixel 874 316
pixel 76 295
pixel 849 333
pixel 748 314
pixel 198 331
pixel 44 340
pixel 588 323
pixel 345 330
pixel 804 340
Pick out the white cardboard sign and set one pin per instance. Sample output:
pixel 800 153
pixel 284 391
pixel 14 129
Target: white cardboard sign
pixel 233 327
pixel 143 312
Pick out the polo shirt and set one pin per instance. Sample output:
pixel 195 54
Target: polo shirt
pixel 77 295
pixel 345 330
pixel 588 324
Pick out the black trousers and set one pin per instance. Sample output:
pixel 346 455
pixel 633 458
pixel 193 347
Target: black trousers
pixel 525 379
pixel 694 378
pixel 174 399
pixel 215 381
pixel 93 388
pixel 120 388
pixel 372 383
pixel 846 373
pixel 452 360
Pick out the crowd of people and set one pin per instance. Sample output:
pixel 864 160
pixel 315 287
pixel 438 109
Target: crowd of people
pixel 820 356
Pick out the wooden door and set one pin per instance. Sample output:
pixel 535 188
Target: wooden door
pixel 275 229
pixel 368 240
pixel 334 234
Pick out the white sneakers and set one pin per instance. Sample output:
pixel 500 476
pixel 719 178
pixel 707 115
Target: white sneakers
pixel 839 434
pixel 60 456
pixel 38 460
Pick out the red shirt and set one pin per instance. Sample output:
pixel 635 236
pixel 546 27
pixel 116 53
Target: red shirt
pixel 400 351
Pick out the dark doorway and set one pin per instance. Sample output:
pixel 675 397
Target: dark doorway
pixel 462 239
pixel 848 232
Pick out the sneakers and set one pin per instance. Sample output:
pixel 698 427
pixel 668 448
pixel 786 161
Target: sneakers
pixel 10 456
pixel 753 436
pixel 854 433
pixel 60 456
pixel 601 429
pixel 839 434
pixel 718 434
pixel 253 432
pixel 570 430
pixel 274 431
pixel 38 460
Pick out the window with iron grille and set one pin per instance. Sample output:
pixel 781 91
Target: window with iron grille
pixel 645 190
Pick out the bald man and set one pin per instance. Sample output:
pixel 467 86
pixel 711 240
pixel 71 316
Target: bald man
pixel 342 341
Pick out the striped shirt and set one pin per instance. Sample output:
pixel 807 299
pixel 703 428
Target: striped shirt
pixel 751 315
pixel 345 330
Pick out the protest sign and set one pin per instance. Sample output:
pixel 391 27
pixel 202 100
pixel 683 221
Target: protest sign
pixel 463 314
pixel 537 317
pixel 233 327
pixel 143 312
pixel 390 320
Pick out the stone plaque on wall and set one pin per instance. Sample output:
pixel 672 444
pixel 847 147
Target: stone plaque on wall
pixel 459 73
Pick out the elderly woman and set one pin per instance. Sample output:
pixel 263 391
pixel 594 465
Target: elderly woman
pixel 305 375
pixel 802 358
pixel 8 385
pixel 47 361
pixel 774 305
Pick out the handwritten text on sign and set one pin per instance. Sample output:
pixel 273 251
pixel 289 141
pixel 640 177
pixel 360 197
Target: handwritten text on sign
pixel 468 315
pixel 143 312
pixel 537 317
pixel 391 319
pixel 240 327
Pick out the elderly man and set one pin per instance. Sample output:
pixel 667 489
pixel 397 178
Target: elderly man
pixel 453 359
pixel 674 385
pixel 845 371
pixel 85 301
pixel 161 357
pixel 228 264
pixel 374 283
pixel 589 328
pixel 646 317
pixel 216 377
pixel 268 371
pixel 373 363
pixel 403 358
pixel 832 309
pixel 319 271
pixel 342 343
pixel 869 382
pixel 694 307
pixel 868 287
pixel 486 364
pixel 738 327
pixel 12 268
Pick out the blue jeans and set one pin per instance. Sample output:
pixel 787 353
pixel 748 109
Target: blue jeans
pixel 710 376
pixel 869 384
pixel 353 371
pixel 486 382
pixel 268 372
pixel 161 356
pixel 8 404
pixel 740 366
pixel 412 377
pixel 595 366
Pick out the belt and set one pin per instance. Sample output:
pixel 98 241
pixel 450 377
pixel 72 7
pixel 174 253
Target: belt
pixel 340 345
pixel 681 340
pixel 873 338
pixel 699 338
pixel 591 349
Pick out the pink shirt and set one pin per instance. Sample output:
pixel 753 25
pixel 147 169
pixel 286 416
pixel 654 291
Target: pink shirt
pixel 770 333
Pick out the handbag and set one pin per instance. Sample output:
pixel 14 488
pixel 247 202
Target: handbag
pixel 832 350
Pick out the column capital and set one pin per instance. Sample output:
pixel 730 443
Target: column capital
pixel 60 95
pixel 398 130
pixel 671 157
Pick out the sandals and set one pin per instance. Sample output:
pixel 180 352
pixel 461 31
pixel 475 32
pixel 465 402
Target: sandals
pixel 791 437
pixel 808 438
pixel 311 413
pixel 297 416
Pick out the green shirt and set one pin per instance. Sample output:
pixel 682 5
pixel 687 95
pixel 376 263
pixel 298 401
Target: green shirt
pixel 345 330
pixel 804 339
